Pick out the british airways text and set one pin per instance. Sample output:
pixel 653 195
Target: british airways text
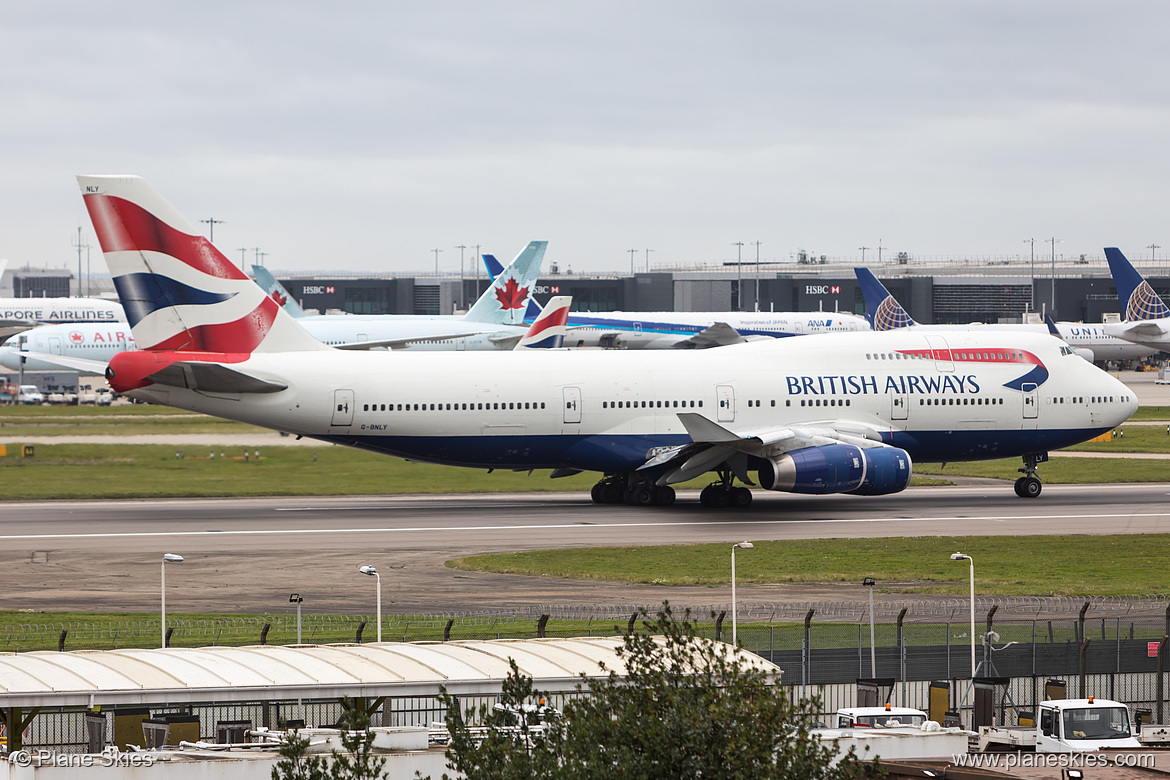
pixel 868 385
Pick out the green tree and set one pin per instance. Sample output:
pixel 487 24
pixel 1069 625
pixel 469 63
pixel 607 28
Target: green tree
pixel 294 764
pixel 685 708
pixel 356 761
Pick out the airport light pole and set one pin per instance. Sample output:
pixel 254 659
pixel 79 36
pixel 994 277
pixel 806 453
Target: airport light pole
pixel 863 248
pixel 371 571
pixel 295 598
pixel 1054 242
pixel 757 243
pixel 960 557
pixel 167 558
pixel 1032 241
pixel 739 275
pixel 869 582
pixel 1153 252
pixel 734 610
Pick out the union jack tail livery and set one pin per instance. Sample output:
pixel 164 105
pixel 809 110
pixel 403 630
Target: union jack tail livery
pixel 179 292
pixel 881 309
pixel 548 331
pixel 511 288
pixel 1138 299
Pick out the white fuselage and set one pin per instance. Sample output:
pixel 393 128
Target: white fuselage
pixel 967 396
pixel 663 329
pixel 1081 336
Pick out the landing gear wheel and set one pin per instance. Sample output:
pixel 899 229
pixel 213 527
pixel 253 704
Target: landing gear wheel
pixel 664 495
pixel 714 496
pixel 741 497
pixel 1030 487
pixel 640 495
pixel 611 493
pixel 598 493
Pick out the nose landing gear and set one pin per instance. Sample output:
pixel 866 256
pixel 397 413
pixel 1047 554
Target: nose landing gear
pixel 1029 486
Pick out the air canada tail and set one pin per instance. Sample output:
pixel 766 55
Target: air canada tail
pixel 180 293
pixel 506 300
pixel 275 290
pixel 548 331
pixel 1138 299
pixel 882 311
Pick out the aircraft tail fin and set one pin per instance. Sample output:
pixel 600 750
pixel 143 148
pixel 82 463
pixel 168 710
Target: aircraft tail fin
pixel 180 293
pixel 548 331
pixel 493 266
pixel 1138 299
pixel 276 291
pixel 506 300
pixel 881 309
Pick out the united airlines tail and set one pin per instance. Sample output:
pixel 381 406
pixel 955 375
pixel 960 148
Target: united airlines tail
pixel 1138 299
pixel 179 292
pixel 882 311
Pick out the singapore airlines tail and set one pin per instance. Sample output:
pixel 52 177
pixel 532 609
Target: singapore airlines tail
pixel 881 309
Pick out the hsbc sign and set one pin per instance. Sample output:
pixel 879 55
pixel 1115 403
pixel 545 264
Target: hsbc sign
pixel 822 289
pixel 317 289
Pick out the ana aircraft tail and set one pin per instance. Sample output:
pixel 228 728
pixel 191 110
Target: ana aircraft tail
pixel 882 311
pixel 505 301
pixel 179 292
pixel 548 331
pixel 275 290
pixel 1138 299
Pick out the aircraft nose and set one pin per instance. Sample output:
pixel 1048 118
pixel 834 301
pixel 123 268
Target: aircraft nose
pixel 8 358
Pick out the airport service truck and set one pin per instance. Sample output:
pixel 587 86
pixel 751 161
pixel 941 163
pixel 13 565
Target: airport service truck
pixel 886 717
pixel 1066 726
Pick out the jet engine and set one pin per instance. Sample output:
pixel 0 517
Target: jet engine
pixel 838 468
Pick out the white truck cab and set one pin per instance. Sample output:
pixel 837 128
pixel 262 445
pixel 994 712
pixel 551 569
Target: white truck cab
pixel 30 394
pixel 1078 725
pixel 886 717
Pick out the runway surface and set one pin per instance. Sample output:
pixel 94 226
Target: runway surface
pixel 249 554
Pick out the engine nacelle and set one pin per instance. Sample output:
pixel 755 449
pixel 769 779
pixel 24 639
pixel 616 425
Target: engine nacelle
pixel 838 468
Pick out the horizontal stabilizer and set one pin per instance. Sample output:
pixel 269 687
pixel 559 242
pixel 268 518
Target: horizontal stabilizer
pixel 69 362
pixel 212 378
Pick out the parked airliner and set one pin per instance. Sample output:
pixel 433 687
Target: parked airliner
pixel 832 413
pixel 688 330
pixel 1091 341
pixel 495 322
pixel 18 314
pixel 1146 316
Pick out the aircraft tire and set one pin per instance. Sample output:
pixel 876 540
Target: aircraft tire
pixel 1019 486
pixel 1030 487
pixel 741 497
pixel 611 493
pixel 714 496
pixel 664 495
pixel 598 493
pixel 640 495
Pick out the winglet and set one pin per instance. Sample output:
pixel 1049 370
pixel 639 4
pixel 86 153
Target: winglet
pixel 882 311
pixel 548 331
pixel 1138 299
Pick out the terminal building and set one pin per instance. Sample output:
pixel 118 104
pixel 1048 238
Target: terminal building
pixel 935 291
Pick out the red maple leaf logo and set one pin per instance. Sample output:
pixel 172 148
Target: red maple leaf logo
pixel 281 300
pixel 76 337
pixel 511 295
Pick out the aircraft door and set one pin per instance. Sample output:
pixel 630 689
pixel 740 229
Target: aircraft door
pixel 900 407
pixel 941 353
pixel 572 397
pixel 342 407
pixel 725 395
pixel 1031 409
pixel 54 345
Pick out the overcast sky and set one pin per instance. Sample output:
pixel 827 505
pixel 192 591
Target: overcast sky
pixel 362 135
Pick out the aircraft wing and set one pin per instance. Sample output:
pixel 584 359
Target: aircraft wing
pixel 1142 329
pixel 71 363
pixel 712 444
pixel 212 378
pixel 720 334
pixel 403 343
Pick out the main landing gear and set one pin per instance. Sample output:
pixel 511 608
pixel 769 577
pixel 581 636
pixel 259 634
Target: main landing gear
pixel 723 494
pixel 626 489
pixel 1028 486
